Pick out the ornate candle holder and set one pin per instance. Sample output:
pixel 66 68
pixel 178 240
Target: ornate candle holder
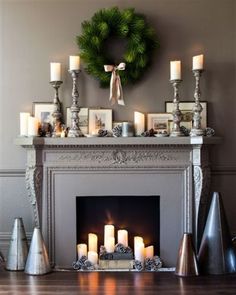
pixel 177 114
pixel 57 115
pixel 75 130
pixel 197 108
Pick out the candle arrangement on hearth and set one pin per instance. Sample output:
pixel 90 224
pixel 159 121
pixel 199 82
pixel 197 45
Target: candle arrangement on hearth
pixel 116 256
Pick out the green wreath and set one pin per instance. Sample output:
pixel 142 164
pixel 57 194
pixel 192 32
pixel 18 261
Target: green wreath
pixel 126 24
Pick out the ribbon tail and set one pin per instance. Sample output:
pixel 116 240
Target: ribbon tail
pixel 120 98
pixel 112 98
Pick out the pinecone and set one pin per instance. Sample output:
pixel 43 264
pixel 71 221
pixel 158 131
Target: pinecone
pixel 209 132
pixel 120 248
pixel 158 262
pixel 88 265
pixel 102 250
pixel 102 133
pixel 148 263
pixel 117 131
pixel 80 263
pixel 149 133
pixel 185 130
pixel 138 265
pixel 76 265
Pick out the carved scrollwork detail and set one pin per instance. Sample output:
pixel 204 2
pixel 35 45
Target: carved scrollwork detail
pixel 34 188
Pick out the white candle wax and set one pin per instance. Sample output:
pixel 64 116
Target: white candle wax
pixel 81 250
pixel 175 70
pixel 93 257
pixel 24 124
pixel 74 63
pixel 55 70
pixel 109 230
pixel 92 242
pixel 139 253
pixel 122 237
pixel 198 62
pixel 139 123
pixel 149 252
pixel 110 246
pixel 137 242
pixel 33 126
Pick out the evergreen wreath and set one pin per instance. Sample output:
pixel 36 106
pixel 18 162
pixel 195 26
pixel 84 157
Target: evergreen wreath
pixel 114 23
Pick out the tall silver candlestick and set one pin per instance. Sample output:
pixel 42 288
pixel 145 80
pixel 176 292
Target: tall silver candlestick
pixel 177 114
pixel 75 130
pixel 57 115
pixel 197 108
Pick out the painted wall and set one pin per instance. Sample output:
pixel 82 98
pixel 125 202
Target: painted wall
pixel 35 32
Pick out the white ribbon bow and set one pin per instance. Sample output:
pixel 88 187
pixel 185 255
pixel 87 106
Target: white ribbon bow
pixel 116 93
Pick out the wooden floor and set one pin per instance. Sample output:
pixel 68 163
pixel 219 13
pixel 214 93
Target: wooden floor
pixel 95 283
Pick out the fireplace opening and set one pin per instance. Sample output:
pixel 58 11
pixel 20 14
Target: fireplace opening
pixel 139 215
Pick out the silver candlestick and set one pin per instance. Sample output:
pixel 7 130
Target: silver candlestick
pixel 57 115
pixel 75 130
pixel 197 108
pixel 177 114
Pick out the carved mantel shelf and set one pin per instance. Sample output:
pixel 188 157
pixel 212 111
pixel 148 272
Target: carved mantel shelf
pixel 48 156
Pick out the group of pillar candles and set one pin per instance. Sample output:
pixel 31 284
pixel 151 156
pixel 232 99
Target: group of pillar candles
pixel 175 67
pixel 140 251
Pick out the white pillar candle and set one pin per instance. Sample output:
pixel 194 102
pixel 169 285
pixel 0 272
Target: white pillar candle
pixel 198 62
pixel 93 257
pixel 137 241
pixel 81 250
pixel 33 126
pixel 149 252
pixel 139 123
pixel 109 230
pixel 24 124
pixel 55 71
pixel 139 253
pixel 175 70
pixel 110 247
pixel 74 63
pixel 92 242
pixel 122 237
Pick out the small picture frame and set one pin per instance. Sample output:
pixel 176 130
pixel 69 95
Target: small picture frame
pixel 83 119
pixel 100 119
pixel 186 108
pixel 43 112
pixel 159 122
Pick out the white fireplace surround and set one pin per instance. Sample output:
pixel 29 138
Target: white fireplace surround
pixel 59 169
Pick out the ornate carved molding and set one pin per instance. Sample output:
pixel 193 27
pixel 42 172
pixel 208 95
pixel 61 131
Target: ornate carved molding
pixel 34 177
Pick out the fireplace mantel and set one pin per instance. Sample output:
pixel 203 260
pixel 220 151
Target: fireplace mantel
pixel 48 158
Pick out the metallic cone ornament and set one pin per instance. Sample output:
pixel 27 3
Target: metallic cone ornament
pixel 187 261
pixel 37 262
pixel 18 249
pixel 216 254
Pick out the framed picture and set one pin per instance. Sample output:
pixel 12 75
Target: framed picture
pixel 186 109
pixel 159 122
pixel 43 112
pixel 83 119
pixel 100 119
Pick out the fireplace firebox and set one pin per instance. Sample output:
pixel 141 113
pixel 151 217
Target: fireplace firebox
pixel 139 215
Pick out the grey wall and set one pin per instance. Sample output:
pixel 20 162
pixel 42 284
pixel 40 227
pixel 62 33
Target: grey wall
pixel 35 32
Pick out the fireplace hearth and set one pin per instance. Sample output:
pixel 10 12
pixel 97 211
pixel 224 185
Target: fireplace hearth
pixel 58 170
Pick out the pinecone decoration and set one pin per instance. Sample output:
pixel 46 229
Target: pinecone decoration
pixel 117 131
pixel 102 133
pixel 209 132
pixel 128 250
pixel 158 262
pixel 148 263
pixel 80 263
pixel 120 248
pixel 88 265
pixel 149 133
pixel 76 265
pixel 185 130
pixel 138 265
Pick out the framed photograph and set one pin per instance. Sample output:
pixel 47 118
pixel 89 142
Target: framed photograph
pixel 100 119
pixel 83 119
pixel 159 122
pixel 186 108
pixel 43 112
